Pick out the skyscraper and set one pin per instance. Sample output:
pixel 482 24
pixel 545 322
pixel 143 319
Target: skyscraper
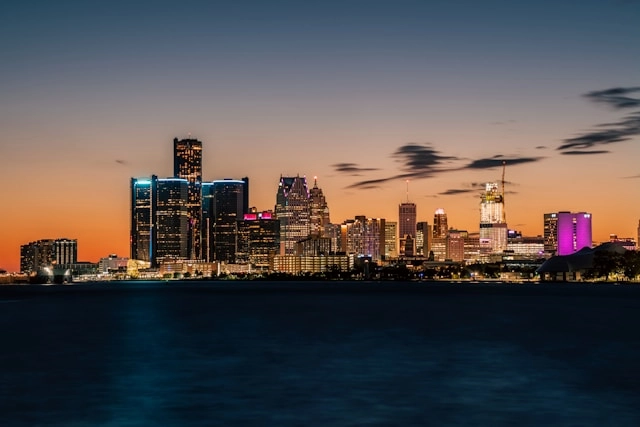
pixel 493 229
pixel 440 226
pixel 170 236
pixel 187 164
pixel 390 239
pixel 424 235
pixel 319 214
pixel 550 233
pixel 258 239
pixel 142 219
pixel 407 214
pixel 224 204
pixel 159 219
pixel 293 210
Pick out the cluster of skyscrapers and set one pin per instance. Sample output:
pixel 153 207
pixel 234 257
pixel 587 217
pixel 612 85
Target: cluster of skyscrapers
pixel 183 219
pixel 186 218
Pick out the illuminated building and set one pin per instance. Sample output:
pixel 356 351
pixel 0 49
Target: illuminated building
pixel 550 233
pixel 293 210
pixel 159 219
pixel 224 203
pixel 171 219
pixel 407 214
pixel 440 226
pixel 364 236
pixel 390 239
pixel 48 252
pixel 574 232
pixel 493 228
pixel 424 235
pixel 319 210
pixel 187 164
pixel 142 214
pixel 258 239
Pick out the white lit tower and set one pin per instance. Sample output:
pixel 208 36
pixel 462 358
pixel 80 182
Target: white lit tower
pixel 319 210
pixel 294 212
pixel 493 224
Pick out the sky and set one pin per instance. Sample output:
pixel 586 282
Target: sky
pixel 365 95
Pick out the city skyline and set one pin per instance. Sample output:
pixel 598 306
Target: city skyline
pixel 364 95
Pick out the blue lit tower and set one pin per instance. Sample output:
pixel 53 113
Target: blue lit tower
pixel 159 219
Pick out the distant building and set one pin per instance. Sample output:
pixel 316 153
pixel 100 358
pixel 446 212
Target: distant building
pixel 187 164
pixel 627 242
pixel 424 235
pixel 224 204
pixel 47 252
pixel 293 210
pixel 390 239
pixel 574 232
pixel 440 226
pixel 319 210
pixel 258 239
pixel 159 219
pixel 407 215
pixel 550 233
pixel 112 263
pixel 493 228
pixel 363 236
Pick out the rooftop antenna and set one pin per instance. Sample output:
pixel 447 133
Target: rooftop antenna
pixel 504 213
pixel 407 191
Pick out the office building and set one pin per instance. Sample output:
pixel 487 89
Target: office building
pixel 159 219
pixel 364 237
pixel 550 235
pixel 187 164
pixel 440 226
pixel 224 203
pixel 46 253
pixel 390 239
pixel 293 210
pixel 424 235
pixel 319 210
pixel 258 239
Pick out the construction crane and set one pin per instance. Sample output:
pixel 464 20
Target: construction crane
pixel 504 213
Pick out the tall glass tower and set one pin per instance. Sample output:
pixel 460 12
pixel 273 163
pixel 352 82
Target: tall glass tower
pixel 224 204
pixel 159 219
pixel 187 164
pixel 319 210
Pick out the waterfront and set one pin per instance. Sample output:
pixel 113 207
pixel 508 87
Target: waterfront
pixel 324 353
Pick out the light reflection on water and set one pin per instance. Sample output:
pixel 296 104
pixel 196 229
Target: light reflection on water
pixel 188 357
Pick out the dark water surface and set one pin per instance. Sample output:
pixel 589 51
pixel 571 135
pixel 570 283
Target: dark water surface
pixel 244 354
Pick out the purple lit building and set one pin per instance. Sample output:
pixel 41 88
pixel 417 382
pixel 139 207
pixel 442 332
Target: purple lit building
pixel 574 232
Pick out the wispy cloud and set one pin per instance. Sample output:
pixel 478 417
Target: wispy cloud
pixel 351 168
pixel 497 161
pixel 607 133
pixel 616 97
pixel 419 161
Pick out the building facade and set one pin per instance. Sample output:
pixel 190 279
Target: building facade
pixel 574 232
pixel 225 202
pixel 187 164
pixel 48 252
pixel 440 225
pixel 319 210
pixel 293 210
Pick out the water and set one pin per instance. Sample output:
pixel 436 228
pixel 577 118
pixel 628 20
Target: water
pixel 140 354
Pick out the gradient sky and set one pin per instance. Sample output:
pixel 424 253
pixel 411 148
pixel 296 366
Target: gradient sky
pixel 363 94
